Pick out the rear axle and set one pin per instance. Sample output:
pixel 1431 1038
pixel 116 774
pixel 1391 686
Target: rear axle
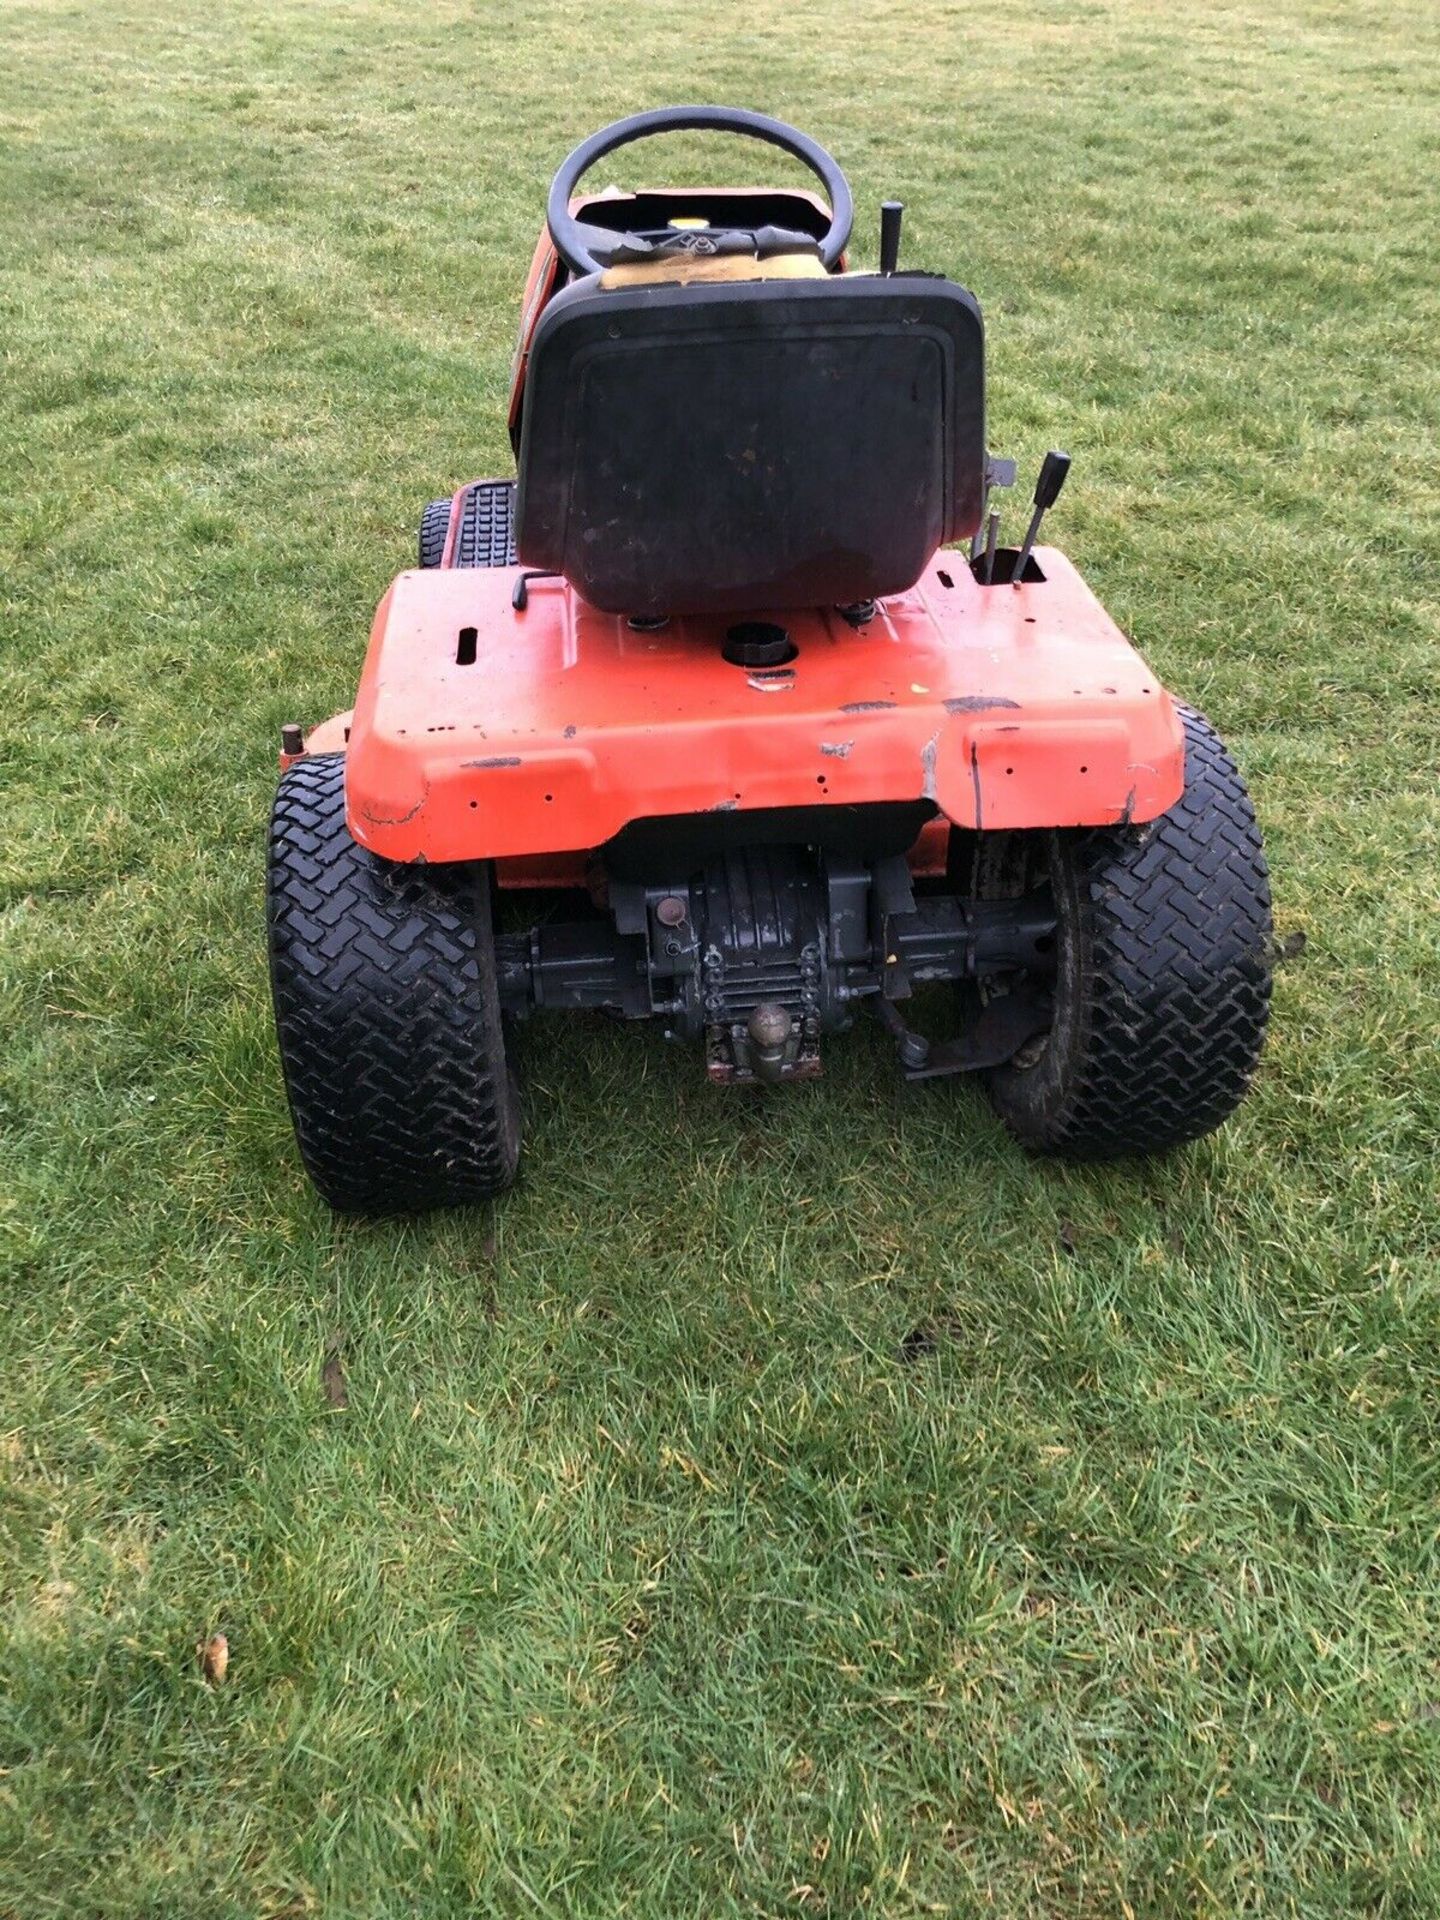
pixel 765 948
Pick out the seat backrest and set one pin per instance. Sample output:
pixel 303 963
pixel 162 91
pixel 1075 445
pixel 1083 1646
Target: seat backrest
pixel 731 447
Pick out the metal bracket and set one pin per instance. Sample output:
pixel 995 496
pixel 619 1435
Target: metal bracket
pixel 1003 1026
pixel 520 593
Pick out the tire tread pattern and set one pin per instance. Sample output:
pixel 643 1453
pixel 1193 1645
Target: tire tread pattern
pixel 486 534
pixel 387 1012
pixel 434 532
pixel 1173 975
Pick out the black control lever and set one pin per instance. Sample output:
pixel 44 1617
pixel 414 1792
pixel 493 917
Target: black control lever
pixel 1053 469
pixel 891 212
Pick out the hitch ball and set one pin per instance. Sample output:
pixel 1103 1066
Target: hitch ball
pixel 768 1031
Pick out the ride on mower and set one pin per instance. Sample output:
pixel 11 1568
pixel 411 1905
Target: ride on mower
pixel 719 673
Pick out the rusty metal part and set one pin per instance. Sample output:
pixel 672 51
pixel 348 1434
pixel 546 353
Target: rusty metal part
pixel 768 1031
pixel 1000 1028
pixel 763 948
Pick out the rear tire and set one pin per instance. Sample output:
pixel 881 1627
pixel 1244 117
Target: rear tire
pixel 1162 986
pixel 387 1012
pixel 434 532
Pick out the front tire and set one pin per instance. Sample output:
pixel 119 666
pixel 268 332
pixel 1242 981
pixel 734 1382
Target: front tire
pixel 434 532
pixel 1162 982
pixel 387 1012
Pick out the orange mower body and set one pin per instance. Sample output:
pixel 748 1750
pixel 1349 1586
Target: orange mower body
pixel 737 687
pixel 483 733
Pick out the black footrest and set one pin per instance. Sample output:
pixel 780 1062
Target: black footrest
pixel 486 536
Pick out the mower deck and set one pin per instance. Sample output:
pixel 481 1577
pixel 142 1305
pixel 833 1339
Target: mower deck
pixel 485 732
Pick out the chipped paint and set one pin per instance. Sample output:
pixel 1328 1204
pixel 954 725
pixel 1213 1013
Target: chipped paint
pixel 927 764
pixel 725 806
pixel 978 703
pixel 1127 812
pixel 498 760
pixel 373 819
pixel 836 749
pixel 868 706
pixel 975 781
pixel 571 731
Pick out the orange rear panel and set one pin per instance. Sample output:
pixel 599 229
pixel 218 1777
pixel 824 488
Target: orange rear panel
pixel 1006 707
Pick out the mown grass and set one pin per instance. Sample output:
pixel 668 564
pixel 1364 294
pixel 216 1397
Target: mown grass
pixel 797 1506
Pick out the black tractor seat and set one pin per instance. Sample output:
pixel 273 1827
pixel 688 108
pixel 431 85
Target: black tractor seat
pixel 706 446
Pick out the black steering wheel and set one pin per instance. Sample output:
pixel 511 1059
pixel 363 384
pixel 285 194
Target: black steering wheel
pixel 581 246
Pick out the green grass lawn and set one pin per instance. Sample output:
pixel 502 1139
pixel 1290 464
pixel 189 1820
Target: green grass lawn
pixel 797 1506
